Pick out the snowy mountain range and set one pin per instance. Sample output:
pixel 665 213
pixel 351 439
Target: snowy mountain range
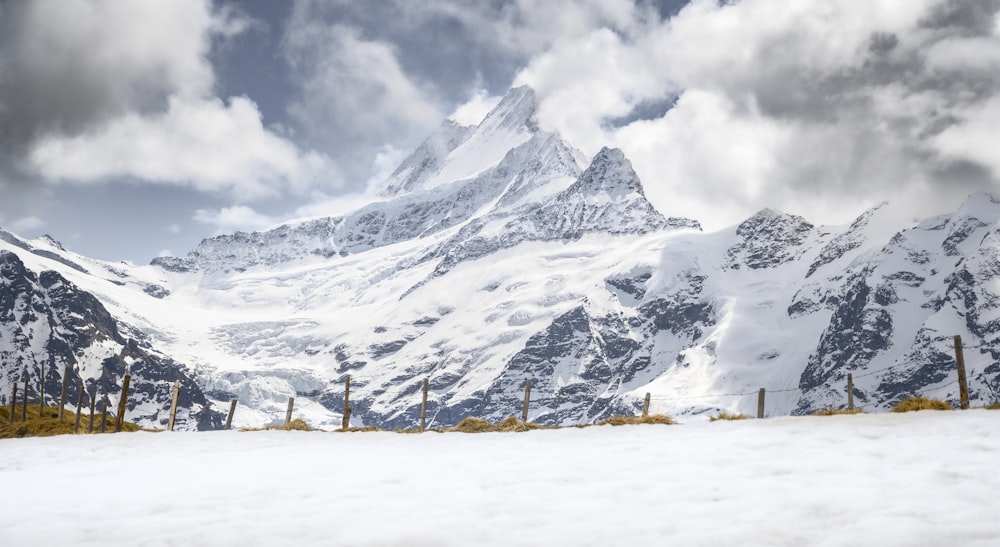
pixel 499 253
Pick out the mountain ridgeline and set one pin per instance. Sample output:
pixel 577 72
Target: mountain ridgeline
pixel 499 253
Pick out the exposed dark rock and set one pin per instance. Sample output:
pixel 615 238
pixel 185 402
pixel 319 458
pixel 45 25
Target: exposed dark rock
pixel 769 239
pixel 71 320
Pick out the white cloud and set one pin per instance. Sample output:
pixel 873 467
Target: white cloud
pixel 104 89
pixel 28 224
pixel 229 219
pixel 322 205
pixel 200 143
pixel 354 94
pixel 818 108
pixel 975 137
pixel 475 109
pixel 387 159
pixel 705 150
pixel 961 54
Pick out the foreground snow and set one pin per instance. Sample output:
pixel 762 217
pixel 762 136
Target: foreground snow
pixel 924 478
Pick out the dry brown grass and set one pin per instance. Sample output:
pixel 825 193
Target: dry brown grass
pixel 513 424
pixel 838 411
pixel 636 420
pixel 365 429
pixel 47 424
pixel 509 425
pixel 473 425
pixel 297 424
pixel 993 406
pixel 727 416
pixel 411 431
pixel 920 403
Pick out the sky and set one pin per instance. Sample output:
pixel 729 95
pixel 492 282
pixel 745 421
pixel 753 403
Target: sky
pixel 131 129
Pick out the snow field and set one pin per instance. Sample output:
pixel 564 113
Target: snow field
pixel 925 478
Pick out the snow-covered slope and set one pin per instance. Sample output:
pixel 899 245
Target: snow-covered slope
pixel 921 478
pixel 47 324
pixel 497 253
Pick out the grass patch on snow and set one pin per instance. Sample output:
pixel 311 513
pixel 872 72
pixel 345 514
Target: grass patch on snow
pixel 838 411
pixel 726 416
pixel 509 425
pixel 513 424
pixel 47 424
pixel 365 429
pixel 637 420
pixel 298 424
pixel 993 406
pixel 917 402
pixel 473 425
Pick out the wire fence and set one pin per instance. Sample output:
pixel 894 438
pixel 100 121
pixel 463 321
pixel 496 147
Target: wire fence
pixel 950 387
pixel 850 389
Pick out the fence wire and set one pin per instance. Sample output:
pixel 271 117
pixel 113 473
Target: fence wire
pixel 767 391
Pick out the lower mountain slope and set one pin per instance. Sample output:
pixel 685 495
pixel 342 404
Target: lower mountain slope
pixel 49 326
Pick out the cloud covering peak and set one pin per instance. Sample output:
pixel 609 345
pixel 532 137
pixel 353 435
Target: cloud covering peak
pixel 823 107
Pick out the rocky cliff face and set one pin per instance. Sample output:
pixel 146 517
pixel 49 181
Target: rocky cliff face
pixel 48 324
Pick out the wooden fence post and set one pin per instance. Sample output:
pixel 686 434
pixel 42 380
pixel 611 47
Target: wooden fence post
pixel 423 406
pixel 122 404
pixel 850 391
pixel 288 413
pixel 963 385
pixel 760 403
pixel 93 399
pixel 229 417
pixel 346 423
pixel 645 407
pixel 24 407
pixel 173 405
pixel 41 392
pixel 79 408
pixel 527 397
pixel 62 393
pixel 104 415
pixel 13 404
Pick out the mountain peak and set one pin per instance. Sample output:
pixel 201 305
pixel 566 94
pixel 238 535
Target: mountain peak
pixel 51 241
pixel 515 111
pixel 608 197
pixel 982 205
pixel 427 159
pixel 610 173
pixel 457 152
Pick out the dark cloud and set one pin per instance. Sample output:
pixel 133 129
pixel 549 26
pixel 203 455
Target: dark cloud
pixel 851 98
pixel 646 109
pixel 64 71
pixel 372 75
pixel 964 17
pixel 669 8
pixel 882 43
